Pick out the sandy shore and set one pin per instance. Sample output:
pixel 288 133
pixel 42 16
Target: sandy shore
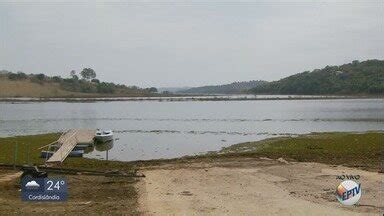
pixel 253 187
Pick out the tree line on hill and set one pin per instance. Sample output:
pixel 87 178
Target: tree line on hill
pixel 84 82
pixel 232 88
pixel 366 77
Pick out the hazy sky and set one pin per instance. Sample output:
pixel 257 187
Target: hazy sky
pixel 188 44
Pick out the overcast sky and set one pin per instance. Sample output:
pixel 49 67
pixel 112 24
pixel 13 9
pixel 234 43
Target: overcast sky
pixel 188 44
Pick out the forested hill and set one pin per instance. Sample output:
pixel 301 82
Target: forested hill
pixel 233 88
pixel 365 77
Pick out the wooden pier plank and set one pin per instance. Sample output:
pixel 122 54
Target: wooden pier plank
pixel 68 142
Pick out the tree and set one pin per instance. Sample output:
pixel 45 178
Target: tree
pixel 73 75
pixel 17 76
pixel 56 79
pixel 95 81
pixel 88 74
pixel 152 89
pixel 105 88
pixel 40 77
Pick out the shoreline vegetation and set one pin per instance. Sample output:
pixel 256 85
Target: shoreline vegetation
pixel 362 150
pixel 179 98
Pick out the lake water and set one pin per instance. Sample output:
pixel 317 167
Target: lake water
pixel 154 129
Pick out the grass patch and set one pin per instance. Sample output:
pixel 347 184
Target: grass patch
pixel 27 150
pixel 350 149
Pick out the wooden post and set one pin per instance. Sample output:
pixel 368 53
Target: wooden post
pixel 107 155
pixel 15 155
pixel 28 153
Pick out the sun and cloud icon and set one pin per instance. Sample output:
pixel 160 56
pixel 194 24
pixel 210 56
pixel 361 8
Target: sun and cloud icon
pixel 32 185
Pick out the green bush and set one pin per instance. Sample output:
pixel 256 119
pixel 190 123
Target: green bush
pixel 17 76
pixel 57 79
pixel 105 88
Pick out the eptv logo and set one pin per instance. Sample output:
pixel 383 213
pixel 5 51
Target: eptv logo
pixel 348 192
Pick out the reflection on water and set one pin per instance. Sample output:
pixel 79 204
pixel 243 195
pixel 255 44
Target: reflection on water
pixel 89 149
pixel 103 146
pixel 152 129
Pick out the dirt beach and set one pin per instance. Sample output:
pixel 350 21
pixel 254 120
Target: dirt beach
pixel 88 195
pixel 244 186
pixel 221 186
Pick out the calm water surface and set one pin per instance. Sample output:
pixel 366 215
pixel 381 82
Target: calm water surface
pixel 153 129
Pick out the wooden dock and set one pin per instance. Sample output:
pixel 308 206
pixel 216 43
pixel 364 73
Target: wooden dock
pixel 68 142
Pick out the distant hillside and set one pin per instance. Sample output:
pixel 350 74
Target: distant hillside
pixel 172 89
pixel 365 77
pixel 39 85
pixel 233 88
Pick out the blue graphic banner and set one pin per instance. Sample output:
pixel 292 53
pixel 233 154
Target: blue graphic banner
pixel 44 189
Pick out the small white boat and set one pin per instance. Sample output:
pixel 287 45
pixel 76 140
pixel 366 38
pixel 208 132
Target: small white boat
pixel 104 136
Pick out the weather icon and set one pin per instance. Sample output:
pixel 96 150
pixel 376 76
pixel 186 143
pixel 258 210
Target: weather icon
pixel 32 185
